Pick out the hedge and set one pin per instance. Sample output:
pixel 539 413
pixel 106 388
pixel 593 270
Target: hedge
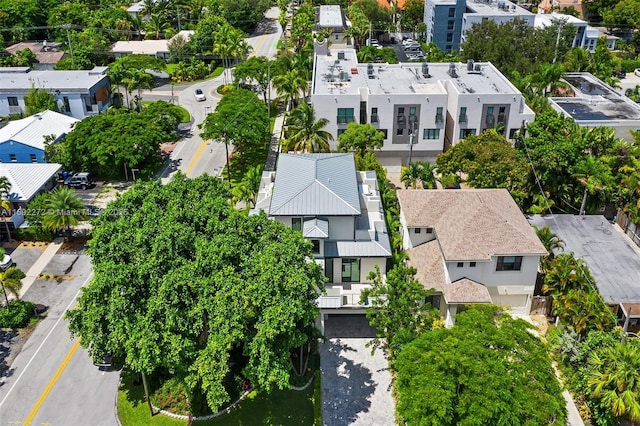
pixel 17 315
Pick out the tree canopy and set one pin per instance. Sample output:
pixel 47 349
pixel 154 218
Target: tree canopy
pixel 488 369
pixel 184 283
pixel 108 143
pixel 38 100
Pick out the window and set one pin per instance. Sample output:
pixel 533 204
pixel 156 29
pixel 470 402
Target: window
pixel 33 158
pixel 316 246
pixel 509 263
pixel 350 270
pixel 429 230
pixel 431 134
pixel 341 131
pixel 489 117
pixel 439 118
pixel 460 264
pixel 467 132
pixel 13 158
pixel 472 264
pixel 501 115
pixel 513 133
pixel 463 115
pixel 450 25
pixel 384 131
pixel 328 268
pixel 433 300
pixel 363 113
pixel 399 131
pixel 13 101
pixel 449 37
pixel 345 115
pixel 448 48
pixel 67 107
pixel 296 224
pixel 452 12
pixel 374 115
pixel 412 116
pixel 417 230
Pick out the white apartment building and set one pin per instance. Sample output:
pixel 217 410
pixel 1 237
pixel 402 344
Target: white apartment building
pixel 422 108
pixel 586 36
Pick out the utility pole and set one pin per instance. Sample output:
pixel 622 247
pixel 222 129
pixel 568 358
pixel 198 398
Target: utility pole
pixel 560 26
pixel 226 148
pixel 73 62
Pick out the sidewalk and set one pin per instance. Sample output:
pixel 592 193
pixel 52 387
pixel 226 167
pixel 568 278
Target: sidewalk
pixel 274 145
pixel 39 265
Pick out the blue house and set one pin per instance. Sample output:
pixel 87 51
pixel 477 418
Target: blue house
pixel 22 141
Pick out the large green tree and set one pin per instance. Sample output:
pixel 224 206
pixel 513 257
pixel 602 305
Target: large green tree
pixel 241 119
pixel 185 283
pixel 488 369
pixel 360 138
pixel 39 100
pixel 111 144
pixel 398 308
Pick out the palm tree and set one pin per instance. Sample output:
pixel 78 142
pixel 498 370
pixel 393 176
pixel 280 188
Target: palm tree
pixel 5 204
pixel 229 44
pixel 248 188
pixel 418 171
pixel 11 281
pixel 550 241
pixel 567 273
pixel 137 79
pixel 305 133
pixel 289 86
pixel 157 25
pixel 594 175
pixel 64 210
pixel 614 378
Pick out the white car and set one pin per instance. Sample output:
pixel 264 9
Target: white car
pixel 199 94
pixel 408 41
pixel 6 263
pixel 637 72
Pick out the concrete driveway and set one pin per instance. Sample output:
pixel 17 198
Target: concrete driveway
pixel 356 386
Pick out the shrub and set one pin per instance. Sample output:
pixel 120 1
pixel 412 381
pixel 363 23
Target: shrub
pixel 34 233
pixel 17 315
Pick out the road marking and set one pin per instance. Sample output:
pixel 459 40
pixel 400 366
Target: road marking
pixel 196 157
pixel 45 340
pixel 259 44
pixel 51 384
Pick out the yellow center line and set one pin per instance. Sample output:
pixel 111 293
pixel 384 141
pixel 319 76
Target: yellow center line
pixel 52 382
pixel 259 44
pixel 196 157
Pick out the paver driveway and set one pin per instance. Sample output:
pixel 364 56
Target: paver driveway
pixel 356 386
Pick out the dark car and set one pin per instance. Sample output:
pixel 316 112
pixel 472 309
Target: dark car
pixel 621 74
pixel 80 180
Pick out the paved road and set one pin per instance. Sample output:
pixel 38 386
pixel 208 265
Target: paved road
pixel 81 394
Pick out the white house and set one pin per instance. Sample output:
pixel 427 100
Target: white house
pixel 422 108
pixel 586 36
pixel 22 141
pixel 79 94
pixel 470 246
pixel 331 18
pixel 339 210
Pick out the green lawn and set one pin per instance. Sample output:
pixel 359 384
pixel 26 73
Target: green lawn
pixel 280 408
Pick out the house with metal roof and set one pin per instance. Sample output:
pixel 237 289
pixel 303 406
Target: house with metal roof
pixel 340 211
pixel 78 94
pixel 470 246
pixel 613 259
pixel 23 141
pixel 27 180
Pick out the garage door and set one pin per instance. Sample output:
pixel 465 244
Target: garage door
pixel 345 325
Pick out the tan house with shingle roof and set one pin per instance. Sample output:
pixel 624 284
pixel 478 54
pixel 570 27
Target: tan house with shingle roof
pixel 471 246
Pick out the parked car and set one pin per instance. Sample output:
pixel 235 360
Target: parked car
pixel 80 180
pixel 199 94
pixel 6 263
pixel 413 47
pixel 621 74
pixel 408 41
pixel 637 72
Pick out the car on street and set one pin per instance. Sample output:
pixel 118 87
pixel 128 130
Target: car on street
pixel 80 180
pixel 6 263
pixel 199 94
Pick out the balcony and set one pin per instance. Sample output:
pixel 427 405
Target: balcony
pixel 489 120
pixel 345 119
pixel 375 119
pixel 439 118
pixel 462 118
pixel 342 297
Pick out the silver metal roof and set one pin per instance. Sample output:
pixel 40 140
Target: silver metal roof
pixel 376 248
pixel 32 130
pixel 315 228
pixel 16 80
pixel 27 178
pixel 613 261
pixel 315 185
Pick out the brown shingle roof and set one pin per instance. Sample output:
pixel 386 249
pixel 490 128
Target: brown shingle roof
pixel 429 263
pixel 471 224
pixel 43 57
pixel 466 291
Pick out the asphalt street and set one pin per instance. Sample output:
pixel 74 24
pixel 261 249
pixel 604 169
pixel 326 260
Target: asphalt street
pixel 52 381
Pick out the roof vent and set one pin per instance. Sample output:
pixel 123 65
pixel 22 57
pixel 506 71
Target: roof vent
pixel 478 68
pixel 354 70
pixel 452 71
pixel 370 71
pixel 340 55
pixel 469 64
pixel 425 70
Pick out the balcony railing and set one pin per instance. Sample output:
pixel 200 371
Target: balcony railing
pixel 345 119
pixel 462 118
pixel 489 119
pixel 439 118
